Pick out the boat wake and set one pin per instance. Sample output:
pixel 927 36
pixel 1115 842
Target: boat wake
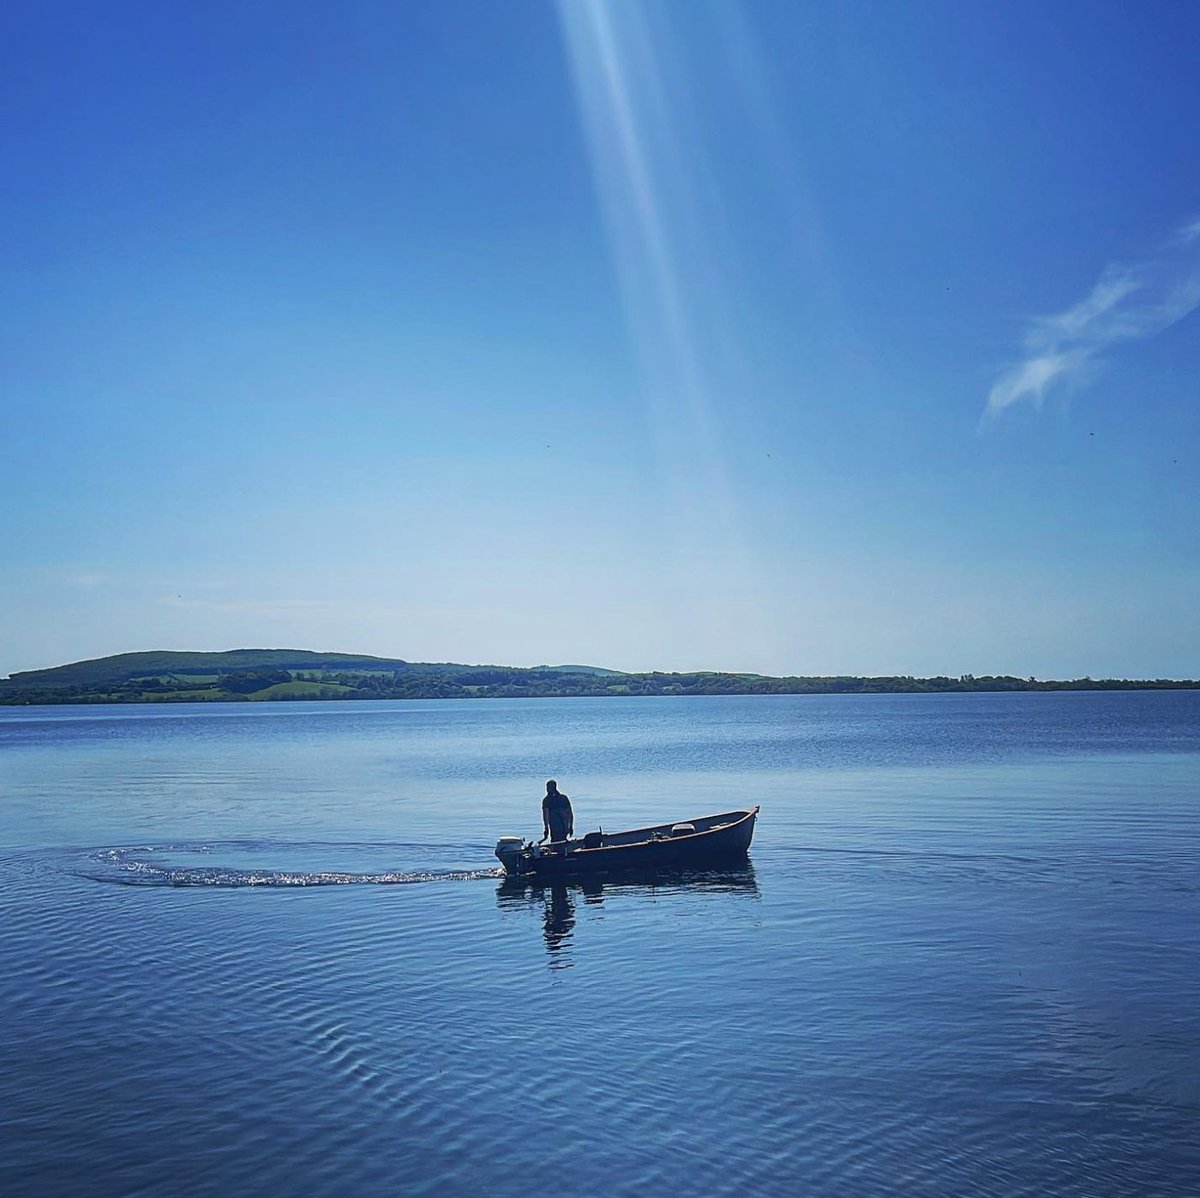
pixel 244 863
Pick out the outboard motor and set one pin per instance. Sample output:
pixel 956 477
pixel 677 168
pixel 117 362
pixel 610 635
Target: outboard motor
pixel 509 850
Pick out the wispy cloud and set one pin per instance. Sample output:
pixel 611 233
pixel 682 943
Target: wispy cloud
pixel 268 607
pixel 1189 233
pixel 87 581
pixel 1130 302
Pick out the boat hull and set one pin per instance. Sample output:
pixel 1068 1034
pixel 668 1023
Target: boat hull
pixel 717 839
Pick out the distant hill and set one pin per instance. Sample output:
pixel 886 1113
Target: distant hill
pixel 124 666
pixel 241 675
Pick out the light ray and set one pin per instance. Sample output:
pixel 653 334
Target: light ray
pixel 660 201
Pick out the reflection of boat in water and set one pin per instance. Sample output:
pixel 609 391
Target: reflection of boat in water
pixel 556 897
pixel 593 888
pixel 694 843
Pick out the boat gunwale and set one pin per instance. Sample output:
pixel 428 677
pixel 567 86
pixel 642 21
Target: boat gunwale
pixel 746 813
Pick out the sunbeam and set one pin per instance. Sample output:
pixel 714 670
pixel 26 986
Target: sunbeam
pixel 662 208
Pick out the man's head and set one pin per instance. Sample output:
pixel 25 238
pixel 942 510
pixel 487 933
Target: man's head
pixel 551 787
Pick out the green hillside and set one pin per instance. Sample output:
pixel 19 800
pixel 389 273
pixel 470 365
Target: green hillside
pixel 258 674
pixel 124 666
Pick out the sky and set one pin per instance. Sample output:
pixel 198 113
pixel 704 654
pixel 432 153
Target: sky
pixel 835 338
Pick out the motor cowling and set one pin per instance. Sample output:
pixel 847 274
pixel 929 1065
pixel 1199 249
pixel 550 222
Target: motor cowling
pixel 509 850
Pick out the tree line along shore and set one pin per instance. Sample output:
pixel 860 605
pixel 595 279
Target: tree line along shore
pixel 258 675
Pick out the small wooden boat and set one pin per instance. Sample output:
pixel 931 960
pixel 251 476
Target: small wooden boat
pixel 707 840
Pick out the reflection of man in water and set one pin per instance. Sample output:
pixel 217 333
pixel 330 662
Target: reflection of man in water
pixel 558 820
pixel 558 918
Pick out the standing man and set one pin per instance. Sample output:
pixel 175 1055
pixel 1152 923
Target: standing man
pixel 558 820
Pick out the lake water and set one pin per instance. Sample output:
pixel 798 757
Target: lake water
pixel 262 949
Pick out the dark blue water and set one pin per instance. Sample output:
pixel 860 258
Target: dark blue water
pixel 262 949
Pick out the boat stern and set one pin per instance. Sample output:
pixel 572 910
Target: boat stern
pixel 509 851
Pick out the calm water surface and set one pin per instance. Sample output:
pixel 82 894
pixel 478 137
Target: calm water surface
pixel 262 949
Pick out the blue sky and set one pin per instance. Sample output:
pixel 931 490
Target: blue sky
pixel 824 338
